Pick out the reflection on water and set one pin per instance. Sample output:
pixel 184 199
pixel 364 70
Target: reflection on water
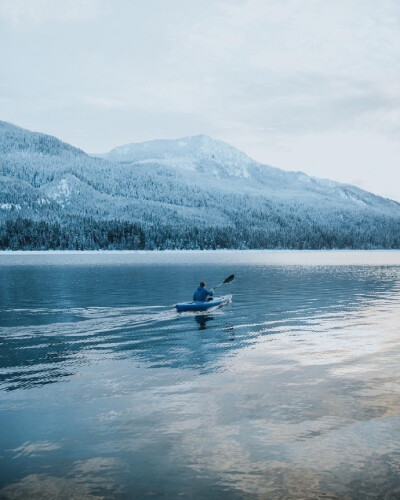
pixel 202 320
pixel 291 391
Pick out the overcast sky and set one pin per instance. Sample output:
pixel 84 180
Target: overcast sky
pixel 310 85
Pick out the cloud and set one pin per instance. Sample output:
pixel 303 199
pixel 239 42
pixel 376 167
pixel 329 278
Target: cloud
pixel 296 67
pixel 285 68
pixel 19 14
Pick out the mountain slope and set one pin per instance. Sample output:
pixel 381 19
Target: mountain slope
pixel 192 192
pixel 202 160
pixel 17 140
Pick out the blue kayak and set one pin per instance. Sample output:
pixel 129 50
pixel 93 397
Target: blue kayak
pixel 203 306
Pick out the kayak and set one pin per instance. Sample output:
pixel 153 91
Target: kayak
pixel 203 306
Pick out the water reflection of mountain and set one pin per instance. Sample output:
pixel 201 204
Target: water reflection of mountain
pixel 56 319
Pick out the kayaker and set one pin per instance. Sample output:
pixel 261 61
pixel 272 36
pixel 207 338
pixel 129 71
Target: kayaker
pixel 201 293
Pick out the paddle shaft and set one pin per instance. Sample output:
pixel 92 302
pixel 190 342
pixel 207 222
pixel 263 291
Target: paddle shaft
pixel 227 280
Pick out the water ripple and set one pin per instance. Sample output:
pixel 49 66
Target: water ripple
pixel 291 391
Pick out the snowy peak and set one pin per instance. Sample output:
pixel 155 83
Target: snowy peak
pixel 200 152
pixel 193 146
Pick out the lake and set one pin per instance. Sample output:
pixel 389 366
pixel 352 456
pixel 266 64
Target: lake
pixel 292 391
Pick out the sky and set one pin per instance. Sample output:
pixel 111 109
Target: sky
pixel 305 85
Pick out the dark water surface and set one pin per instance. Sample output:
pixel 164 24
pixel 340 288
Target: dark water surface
pixel 290 392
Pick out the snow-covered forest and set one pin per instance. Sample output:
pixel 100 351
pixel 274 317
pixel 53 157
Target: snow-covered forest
pixel 194 192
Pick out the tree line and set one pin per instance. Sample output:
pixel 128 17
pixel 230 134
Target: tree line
pixel 87 233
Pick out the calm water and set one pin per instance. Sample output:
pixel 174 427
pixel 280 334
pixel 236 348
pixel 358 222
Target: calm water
pixel 290 392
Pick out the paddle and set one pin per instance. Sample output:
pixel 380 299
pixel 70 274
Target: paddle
pixel 227 280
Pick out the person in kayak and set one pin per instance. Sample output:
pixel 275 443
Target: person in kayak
pixel 201 293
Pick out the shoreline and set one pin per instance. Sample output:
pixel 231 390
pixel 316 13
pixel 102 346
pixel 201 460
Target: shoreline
pixel 219 250
pixel 225 257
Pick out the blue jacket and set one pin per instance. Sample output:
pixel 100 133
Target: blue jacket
pixel 201 294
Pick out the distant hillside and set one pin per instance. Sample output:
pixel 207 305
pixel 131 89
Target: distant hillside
pixel 193 192
pixel 16 140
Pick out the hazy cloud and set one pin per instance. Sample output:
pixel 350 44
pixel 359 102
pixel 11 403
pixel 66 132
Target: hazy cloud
pixel 20 14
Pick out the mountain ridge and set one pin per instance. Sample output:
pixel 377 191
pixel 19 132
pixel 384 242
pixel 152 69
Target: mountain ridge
pixel 141 152
pixel 195 191
pixel 12 140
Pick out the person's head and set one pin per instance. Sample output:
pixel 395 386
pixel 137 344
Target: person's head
pixel 202 284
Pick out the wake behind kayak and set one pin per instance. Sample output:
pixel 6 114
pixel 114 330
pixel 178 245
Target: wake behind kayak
pixel 203 305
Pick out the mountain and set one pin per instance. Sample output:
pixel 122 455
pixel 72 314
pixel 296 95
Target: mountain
pixel 193 192
pixel 211 161
pixel 198 153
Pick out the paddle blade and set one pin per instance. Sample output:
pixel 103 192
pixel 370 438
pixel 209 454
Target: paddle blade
pixel 229 278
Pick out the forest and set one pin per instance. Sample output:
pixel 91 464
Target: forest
pixel 89 234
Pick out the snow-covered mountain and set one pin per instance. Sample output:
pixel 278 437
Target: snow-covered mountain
pixel 189 192
pixel 197 153
pixel 205 161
